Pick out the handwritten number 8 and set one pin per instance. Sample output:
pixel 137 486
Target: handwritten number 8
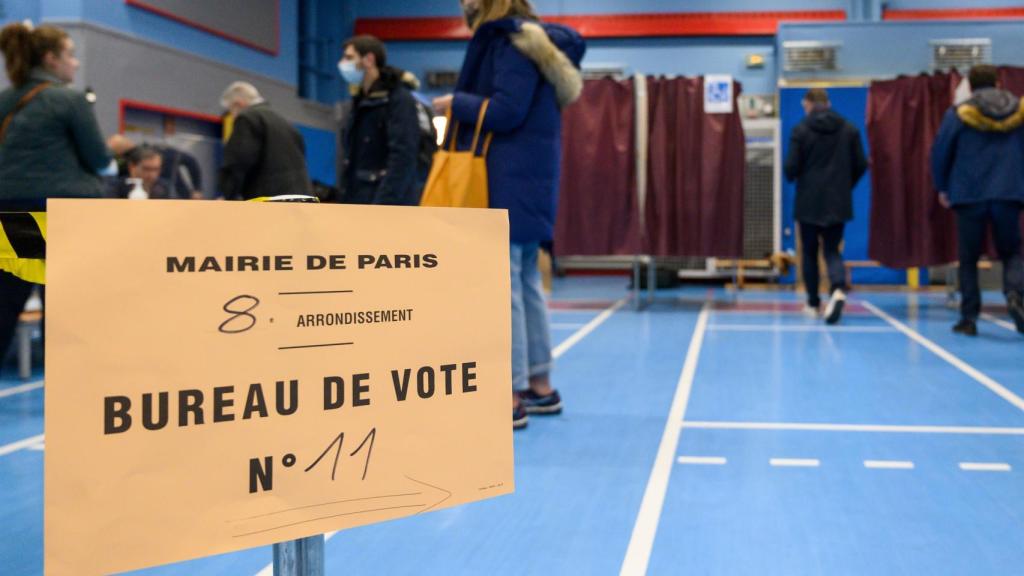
pixel 239 315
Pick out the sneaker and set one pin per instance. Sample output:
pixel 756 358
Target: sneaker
pixel 966 327
pixel 834 308
pixel 812 311
pixel 536 404
pixel 1015 304
pixel 519 417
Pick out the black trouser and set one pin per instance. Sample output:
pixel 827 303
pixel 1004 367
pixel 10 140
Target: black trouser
pixel 14 292
pixel 832 236
pixel 970 221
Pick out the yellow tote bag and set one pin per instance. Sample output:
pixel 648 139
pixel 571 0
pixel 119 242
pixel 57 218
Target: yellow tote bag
pixel 458 179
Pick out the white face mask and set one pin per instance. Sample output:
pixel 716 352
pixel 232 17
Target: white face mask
pixel 350 73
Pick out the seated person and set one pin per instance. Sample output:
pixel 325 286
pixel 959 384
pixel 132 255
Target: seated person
pixel 179 169
pixel 143 162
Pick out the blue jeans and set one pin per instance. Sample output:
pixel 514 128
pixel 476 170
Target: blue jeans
pixel 531 337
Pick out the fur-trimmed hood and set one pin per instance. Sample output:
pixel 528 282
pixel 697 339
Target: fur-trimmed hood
pixel 992 110
pixel 557 51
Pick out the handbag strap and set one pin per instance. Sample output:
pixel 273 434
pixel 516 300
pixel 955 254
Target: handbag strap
pixel 480 124
pixel 25 99
pixel 453 130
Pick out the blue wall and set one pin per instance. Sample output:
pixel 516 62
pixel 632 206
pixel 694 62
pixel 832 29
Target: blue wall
pixel 119 16
pixel 669 56
pixel 320 153
pixel 946 4
pixel 19 10
pixel 327 24
pixel 883 49
pixel 406 8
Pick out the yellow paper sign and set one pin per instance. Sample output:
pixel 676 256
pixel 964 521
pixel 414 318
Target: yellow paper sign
pixel 227 375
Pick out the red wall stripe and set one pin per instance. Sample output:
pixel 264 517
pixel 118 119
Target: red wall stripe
pixel 611 25
pixel 142 5
pixel 125 104
pixel 956 14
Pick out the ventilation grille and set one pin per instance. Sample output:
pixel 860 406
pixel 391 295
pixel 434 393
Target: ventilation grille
pixel 960 53
pixel 759 202
pixel 810 56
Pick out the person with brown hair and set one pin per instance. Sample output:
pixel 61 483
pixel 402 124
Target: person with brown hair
pixel 978 169
pixel 381 136
pixel 826 159
pixel 50 142
pixel 527 71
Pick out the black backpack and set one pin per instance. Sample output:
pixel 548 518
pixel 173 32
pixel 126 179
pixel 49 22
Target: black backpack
pixel 428 139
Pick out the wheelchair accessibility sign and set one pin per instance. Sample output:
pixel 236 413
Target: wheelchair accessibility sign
pixel 718 94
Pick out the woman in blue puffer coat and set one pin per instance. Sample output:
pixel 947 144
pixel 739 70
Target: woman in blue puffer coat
pixel 530 71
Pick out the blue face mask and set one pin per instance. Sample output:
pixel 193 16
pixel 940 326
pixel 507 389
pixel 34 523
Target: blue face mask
pixel 350 73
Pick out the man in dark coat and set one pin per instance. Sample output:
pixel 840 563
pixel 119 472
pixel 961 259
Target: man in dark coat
pixel 978 168
pixel 381 134
pixel 265 155
pixel 826 158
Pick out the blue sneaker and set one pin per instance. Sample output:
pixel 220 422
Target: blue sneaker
pixel 536 404
pixel 519 418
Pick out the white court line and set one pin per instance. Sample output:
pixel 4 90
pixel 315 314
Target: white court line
pixel 999 322
pixel 561 349
pixel 702 460
pixel 941 352
pixel 642 540
pixel 20 445
pixel 21 389
pixel 567 326
pixel 798 328
pixel 799 426
pixel 38 447
pixel 889 464
pixel 587 329
pixel 985 467
pixel 795 462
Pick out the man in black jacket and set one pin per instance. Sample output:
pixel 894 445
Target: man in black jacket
pixel 826 158
pixel 265 155
pixel 381 133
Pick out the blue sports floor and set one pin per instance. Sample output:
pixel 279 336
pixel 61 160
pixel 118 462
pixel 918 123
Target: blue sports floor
pixel 707 434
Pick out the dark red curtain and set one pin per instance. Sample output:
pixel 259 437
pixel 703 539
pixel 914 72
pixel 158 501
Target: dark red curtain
pixel 696 167
pixel 597 206
pixel 1012 79
pixel 908 226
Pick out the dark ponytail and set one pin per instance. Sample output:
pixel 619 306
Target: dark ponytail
pixel 24 48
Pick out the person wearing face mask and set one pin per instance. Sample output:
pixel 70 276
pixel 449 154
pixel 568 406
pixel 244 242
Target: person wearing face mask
pixel 380 133
pixel 50 142
pixel 528 71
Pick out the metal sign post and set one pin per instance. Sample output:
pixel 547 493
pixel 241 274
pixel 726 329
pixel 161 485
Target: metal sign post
pixel 303 557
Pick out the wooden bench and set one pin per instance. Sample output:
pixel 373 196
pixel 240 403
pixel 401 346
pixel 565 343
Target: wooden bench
pixel 739 266
pixel 27 322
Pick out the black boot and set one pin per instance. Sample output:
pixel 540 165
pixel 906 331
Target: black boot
pixel 966 327
pixel 1015 304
